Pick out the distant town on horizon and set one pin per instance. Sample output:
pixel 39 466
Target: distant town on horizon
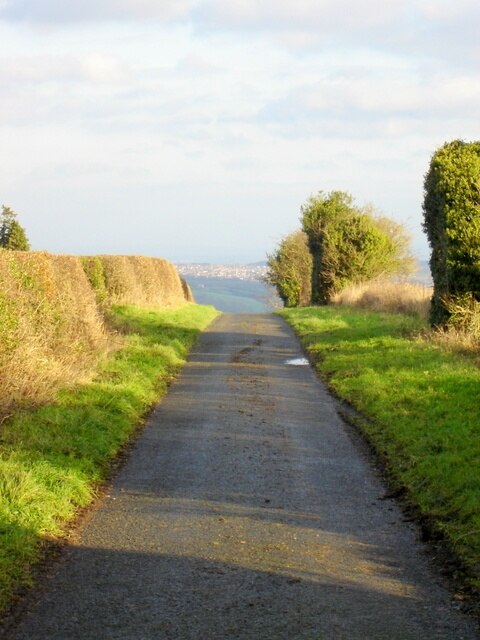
pixel 252 271
pixel 258 271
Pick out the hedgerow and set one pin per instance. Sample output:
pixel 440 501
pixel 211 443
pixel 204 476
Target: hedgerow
pixel 452 223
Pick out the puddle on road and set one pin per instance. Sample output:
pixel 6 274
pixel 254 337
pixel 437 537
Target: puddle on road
pixel 298 362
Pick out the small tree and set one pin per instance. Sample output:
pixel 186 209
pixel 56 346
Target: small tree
pixel 319 215
pixel 290 270
pixel 452 222
pixel 356 250
pixel 350 244
pixel 403 261
pixel 12 235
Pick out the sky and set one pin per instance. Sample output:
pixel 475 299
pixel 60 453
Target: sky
pixel 195 130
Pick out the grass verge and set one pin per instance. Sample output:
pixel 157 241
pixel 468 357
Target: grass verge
pixel 53 457
pixel 423 410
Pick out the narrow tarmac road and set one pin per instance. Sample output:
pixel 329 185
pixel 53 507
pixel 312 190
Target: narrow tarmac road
pixel 245 511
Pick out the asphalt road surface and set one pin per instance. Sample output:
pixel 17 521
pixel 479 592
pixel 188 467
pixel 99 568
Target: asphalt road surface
pixel 245 511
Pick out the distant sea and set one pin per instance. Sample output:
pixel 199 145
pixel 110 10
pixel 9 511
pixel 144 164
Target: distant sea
pixel 239 295
pixel 233 295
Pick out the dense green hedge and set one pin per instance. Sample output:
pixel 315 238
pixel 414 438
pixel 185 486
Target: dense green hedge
pixel 452 223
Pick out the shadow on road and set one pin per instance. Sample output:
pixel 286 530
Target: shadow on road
pixel 245 511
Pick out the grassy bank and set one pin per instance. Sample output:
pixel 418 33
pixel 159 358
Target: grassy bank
pixel 424 410
pixel 53 457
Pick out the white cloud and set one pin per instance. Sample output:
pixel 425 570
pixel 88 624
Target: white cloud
pixel 256 104
pixel 448 12
pixel 417 97
pixel 59 11
pixel 103 69
pixel 323 15
pixel 192 65
pixel 55 70
pixel 439 28
pixel 374 104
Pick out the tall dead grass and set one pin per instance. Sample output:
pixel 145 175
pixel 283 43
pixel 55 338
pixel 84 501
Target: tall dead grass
pixel 51 330
pixel 463 330
pixel 187 291
pixel 461 334
pixel 387 295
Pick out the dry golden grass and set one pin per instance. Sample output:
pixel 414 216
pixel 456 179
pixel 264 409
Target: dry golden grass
pixel 456 341
pixel 463 331
pixel 387 295
pixel 187 290
pixel 51 330
pixel 461 335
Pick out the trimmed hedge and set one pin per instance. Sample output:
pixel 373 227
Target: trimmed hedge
pixel 52 312
pixel 452 223
pixel 147 282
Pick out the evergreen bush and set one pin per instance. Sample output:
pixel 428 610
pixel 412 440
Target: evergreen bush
pixel 452 223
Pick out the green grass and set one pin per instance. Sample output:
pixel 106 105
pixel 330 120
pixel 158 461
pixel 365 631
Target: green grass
pixel 423 405
pixel 53 457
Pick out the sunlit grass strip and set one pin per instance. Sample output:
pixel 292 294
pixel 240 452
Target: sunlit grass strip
pixel 52 458
pixel 424 410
